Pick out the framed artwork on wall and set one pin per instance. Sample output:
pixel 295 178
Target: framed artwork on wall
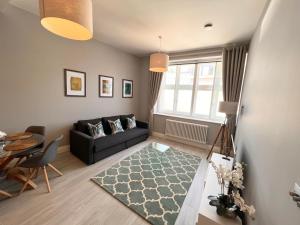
pixel 106 86
pixel 75 83
pixel 127 88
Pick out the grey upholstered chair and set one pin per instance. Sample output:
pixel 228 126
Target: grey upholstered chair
pixel 35 130
pixel 43 160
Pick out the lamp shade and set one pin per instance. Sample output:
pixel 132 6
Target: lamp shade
pixel 228 108
pixel 71 19
pixel 159 62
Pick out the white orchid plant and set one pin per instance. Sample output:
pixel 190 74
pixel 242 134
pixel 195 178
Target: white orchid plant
pixel 233 178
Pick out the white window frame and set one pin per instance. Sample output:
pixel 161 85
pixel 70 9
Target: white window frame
pixel 212 114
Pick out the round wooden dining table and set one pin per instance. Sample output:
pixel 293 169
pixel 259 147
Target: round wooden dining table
pixel 14 145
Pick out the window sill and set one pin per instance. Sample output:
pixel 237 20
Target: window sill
pixel 189 118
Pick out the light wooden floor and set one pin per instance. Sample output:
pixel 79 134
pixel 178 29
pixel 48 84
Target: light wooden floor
pixel 75 200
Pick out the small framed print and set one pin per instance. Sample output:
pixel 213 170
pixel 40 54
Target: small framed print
pixel 106 86
pixel 75 83
pixel 127 88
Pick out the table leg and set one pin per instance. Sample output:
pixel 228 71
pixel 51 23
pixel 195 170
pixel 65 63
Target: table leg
pixel 19 175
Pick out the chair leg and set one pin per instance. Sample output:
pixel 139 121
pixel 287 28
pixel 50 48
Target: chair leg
pixel 46 179
pixel 55 169
pixel 5 194
pixel 36 173
pixel 29 176
pixel 19 160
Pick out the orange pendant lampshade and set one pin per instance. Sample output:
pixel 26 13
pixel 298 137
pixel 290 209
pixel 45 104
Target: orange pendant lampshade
pixel 72 19
pixel 159 61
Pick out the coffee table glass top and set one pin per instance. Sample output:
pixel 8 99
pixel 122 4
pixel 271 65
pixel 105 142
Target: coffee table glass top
pixel 160 147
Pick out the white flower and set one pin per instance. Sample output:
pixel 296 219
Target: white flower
pixel 240 202
pixel 2 134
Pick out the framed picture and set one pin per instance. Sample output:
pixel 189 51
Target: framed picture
pixel 75 83
pixel 106 86
pixel 127 88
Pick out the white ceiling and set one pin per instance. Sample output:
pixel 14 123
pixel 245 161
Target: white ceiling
pixel 133 25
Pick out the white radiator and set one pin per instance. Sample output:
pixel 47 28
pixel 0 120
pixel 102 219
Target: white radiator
pixel 187 131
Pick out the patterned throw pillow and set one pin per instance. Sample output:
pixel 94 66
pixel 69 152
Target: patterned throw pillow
pixel 116 126
pixel 96 130
pixel 131 122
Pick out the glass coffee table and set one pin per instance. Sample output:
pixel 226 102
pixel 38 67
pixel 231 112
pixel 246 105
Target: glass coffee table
pixel 160 147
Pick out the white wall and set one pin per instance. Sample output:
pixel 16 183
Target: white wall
pixel 268 134
pixel 31 77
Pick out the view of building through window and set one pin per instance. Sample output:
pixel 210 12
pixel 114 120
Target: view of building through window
pixel 193 90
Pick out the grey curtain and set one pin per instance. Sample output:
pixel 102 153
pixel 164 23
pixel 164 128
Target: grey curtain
pixel 155 82
pixel 233 69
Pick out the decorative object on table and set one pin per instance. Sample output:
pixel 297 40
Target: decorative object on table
pixel 152 184
pixel 106 86
pixel 2 140
pixel 2 135
pixel 75 83
pixel 159 61
pixel 127 88
pixel 230 109
pixel 18 136
pixel 295 193
pixel 231 204
pixel 72 19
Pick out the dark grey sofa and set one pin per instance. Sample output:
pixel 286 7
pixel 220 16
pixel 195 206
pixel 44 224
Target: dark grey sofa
pixel 91 150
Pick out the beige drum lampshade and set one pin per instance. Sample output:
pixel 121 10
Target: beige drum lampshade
pixel 159 62
pixel 229 108
pixel 71 19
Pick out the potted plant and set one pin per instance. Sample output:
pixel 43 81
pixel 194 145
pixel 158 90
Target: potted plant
pixel 231 204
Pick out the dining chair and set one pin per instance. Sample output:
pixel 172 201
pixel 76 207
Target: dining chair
pixel 41 161
pixel 35 130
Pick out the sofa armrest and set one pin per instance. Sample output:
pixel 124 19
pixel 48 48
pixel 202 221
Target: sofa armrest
pixel 141 124
pixel 81 145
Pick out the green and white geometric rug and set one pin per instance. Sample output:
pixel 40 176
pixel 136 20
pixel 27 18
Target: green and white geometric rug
pixel 151 182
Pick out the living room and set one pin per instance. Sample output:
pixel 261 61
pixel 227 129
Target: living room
pixel 149 112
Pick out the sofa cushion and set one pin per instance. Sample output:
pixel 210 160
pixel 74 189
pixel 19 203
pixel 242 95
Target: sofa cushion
pixel 82 125
pixel 116 126
pixel 109 141
pixel 135 132
pixel 115 139
pixel 105 123
pixel 123 119
pixel 96 130
pixel 131 123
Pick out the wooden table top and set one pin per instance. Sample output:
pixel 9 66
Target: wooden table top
pixel 15 147
pixel 18 136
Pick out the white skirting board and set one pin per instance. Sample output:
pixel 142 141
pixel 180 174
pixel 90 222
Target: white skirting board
pixel 202 146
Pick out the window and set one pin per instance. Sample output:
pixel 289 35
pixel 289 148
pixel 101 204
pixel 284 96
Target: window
pixel 192 90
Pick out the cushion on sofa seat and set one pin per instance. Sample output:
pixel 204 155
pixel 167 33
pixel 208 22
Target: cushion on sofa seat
pixel 123 119
pixel 106 125
pixel 115 139
pixel 135 132
pixel 109 141
pixel 82 125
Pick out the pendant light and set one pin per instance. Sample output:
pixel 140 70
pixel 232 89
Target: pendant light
pixel 159 61
pixel 72 19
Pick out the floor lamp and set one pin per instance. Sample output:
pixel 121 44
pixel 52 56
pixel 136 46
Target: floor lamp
pixel 230 109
